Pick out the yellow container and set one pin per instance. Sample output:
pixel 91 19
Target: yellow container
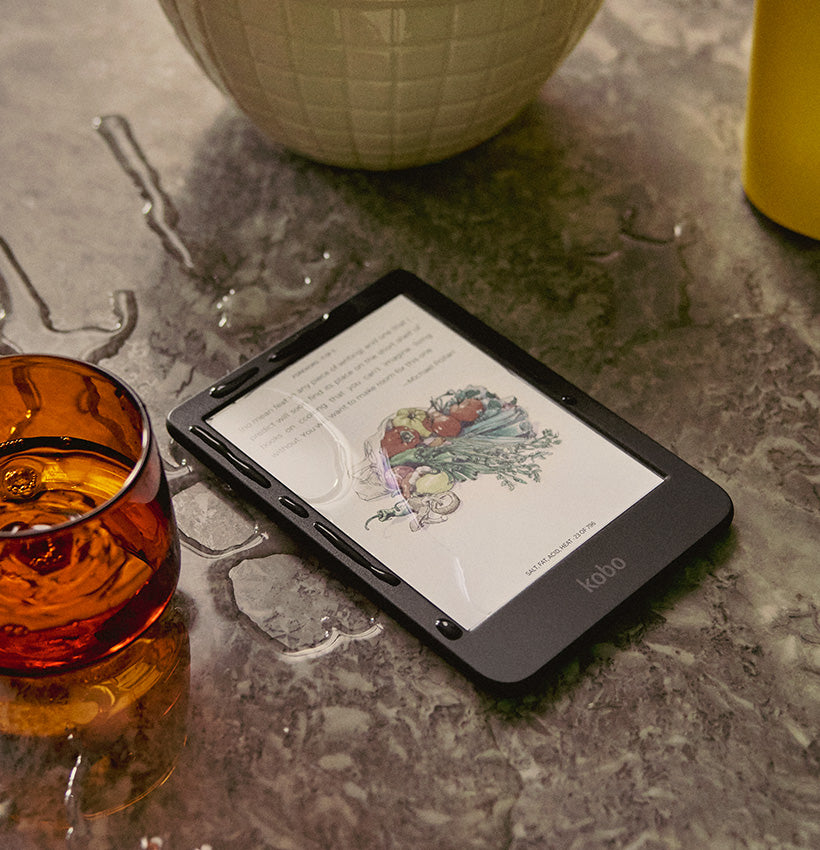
pixel 781 170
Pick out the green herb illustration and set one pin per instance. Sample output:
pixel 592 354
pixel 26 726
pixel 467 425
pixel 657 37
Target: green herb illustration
pixel 422 454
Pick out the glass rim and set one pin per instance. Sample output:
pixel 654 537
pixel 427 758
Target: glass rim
pixel 146 436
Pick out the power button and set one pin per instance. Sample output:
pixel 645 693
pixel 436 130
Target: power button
pixel 449 629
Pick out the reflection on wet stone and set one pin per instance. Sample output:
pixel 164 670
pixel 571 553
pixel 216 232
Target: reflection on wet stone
pixel 92 742
pixel 207 517
pixel 283 595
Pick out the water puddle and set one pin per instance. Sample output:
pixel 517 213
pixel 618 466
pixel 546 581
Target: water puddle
pixel 281 595
pixel 302 608
pixel 26 322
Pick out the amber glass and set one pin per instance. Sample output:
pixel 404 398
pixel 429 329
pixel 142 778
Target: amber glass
pixel 89 554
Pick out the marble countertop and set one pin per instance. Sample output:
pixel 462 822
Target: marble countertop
pixel 147 226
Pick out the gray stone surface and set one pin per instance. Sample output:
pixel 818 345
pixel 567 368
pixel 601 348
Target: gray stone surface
pixel 607 233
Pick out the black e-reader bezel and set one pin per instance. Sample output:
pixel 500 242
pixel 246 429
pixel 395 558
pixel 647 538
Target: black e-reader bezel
pixel 563 603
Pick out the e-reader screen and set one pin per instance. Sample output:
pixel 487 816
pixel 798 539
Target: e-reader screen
pixel 456 473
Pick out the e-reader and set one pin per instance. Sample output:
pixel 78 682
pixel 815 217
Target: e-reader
pixel 484 501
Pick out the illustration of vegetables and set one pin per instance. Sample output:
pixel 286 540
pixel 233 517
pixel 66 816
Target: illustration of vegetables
pixel 422 454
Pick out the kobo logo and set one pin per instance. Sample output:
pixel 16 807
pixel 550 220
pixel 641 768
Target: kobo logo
pixel 601 574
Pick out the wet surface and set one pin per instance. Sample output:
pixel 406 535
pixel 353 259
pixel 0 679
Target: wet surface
pixel 149 228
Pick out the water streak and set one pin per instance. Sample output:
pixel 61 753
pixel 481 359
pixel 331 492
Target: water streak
pixel 335 639
pixel 247 548
pixel 159 210
pixel 26 322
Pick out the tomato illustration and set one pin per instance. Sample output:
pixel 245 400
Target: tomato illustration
pixel 398 440
pixel 468 410
pixel 444 425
